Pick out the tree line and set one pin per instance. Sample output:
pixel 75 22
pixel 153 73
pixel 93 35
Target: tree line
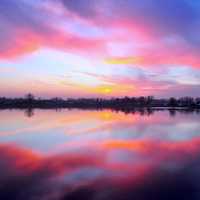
pixel 31 101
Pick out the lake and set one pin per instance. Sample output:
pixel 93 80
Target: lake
pixel 99 154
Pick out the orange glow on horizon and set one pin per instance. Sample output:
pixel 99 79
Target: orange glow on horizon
pixel 123 61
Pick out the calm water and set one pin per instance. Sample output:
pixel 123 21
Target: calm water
pixel 100 155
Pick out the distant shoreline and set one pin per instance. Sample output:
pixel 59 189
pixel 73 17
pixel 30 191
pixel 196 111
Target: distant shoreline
pixel 97 107
pixel 126 103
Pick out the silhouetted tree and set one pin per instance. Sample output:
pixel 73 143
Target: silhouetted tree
pixel 187 101
pixel 149 100
pixel 172 102
pixel 29 97
pixel 141 101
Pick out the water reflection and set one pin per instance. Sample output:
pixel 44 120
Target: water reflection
pixel 80 154
pixel 29 112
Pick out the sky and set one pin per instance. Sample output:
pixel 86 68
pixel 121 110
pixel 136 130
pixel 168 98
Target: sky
pixel 100 48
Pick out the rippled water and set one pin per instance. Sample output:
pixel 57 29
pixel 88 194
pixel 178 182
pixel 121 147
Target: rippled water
pixel 87 154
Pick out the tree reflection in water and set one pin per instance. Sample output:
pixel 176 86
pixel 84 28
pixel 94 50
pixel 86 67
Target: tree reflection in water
pixel 29 112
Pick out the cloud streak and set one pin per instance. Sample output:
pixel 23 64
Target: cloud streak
pixel 31 27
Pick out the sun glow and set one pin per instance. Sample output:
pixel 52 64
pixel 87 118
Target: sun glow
pixel 123 60
pixel 106 90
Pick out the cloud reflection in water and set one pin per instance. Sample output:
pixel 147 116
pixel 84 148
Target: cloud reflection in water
pixel 99 155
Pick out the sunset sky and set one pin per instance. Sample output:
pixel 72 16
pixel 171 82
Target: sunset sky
pixel 100 48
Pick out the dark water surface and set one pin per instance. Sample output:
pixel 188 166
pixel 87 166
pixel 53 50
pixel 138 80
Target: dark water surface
pixel 99 155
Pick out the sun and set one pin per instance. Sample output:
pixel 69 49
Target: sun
pixel 104 89
pixel 107 90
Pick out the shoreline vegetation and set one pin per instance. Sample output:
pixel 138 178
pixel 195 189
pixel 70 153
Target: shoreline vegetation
pixel 125 103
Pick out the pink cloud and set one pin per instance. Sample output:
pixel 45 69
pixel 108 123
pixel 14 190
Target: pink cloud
pixel 25 41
